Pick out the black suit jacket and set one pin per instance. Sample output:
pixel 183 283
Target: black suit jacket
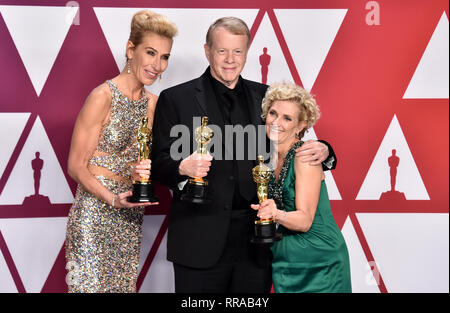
pixel 197 233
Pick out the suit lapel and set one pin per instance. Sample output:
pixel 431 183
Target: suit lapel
pixel 208 106
pixel 254 100
pixel 207 102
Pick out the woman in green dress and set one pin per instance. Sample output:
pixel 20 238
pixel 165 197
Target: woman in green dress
pixel 312 255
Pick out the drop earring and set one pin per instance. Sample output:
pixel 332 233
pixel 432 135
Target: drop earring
pixel 129 67
pixel 160 76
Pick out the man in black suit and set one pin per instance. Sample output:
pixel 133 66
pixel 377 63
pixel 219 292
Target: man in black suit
pixel 209 245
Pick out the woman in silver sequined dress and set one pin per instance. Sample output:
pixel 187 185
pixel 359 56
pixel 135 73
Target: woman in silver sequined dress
pixel 104 230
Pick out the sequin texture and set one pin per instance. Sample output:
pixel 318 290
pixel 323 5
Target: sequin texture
pixel 103 243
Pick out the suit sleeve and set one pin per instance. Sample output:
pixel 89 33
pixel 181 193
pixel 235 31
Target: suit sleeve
pixel 331 162
pixel 164 168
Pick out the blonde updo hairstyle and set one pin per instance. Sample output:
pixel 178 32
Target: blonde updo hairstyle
pixel 309 110
pixel 147 21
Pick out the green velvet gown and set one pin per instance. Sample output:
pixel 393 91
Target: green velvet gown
pixel 314 261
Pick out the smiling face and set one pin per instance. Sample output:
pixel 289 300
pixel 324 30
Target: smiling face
pixel 150 58
pixel 282 122
pixel 227 56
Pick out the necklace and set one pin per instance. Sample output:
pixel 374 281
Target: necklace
pixel 276 185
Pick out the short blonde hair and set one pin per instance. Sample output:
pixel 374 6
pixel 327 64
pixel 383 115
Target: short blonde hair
pixel 309 110
pixel 147 21
pixel 234 25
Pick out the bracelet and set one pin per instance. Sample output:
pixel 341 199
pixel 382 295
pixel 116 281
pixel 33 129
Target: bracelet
pixel 284 217
pixel 113 200
pixel 276 215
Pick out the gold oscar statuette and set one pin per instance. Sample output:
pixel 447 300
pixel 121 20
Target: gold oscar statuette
pixel 265 229
pixel 196 188
pixel 143 188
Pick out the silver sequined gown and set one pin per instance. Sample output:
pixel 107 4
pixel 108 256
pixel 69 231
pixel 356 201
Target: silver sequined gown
pixel 103 243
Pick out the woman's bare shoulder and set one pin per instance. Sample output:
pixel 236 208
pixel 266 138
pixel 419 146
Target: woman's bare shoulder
pixel 101 93
pixel 97 104
pixel 305 169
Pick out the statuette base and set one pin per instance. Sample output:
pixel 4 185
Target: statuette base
pixel 195 193
pixel 142 192
pixel 265 233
